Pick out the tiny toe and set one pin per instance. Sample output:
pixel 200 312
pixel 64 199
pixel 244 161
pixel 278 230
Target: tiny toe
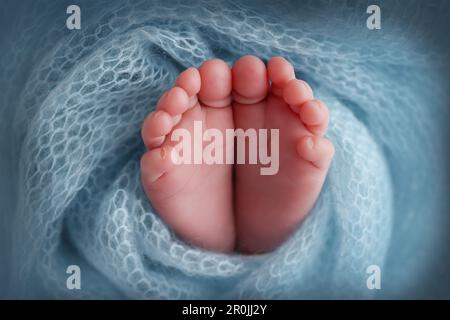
pixel 175 101
pixel 156 163
pixel 215 89
pixel 280 72
pixel 319 151
pixel 156 126
pixel 190 81
pixel 250 82
pixel 296 93
pixel 315 115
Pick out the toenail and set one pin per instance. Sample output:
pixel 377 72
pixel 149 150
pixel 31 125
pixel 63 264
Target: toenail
pixel 157 115
pixel 314 104
pixel 173 93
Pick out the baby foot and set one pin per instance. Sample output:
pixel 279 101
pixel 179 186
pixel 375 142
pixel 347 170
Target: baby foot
pixel 194 199
pixel 270 207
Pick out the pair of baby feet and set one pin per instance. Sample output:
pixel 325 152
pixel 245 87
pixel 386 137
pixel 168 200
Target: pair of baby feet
pixel 224 207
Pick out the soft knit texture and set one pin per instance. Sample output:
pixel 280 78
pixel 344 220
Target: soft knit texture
pixel 72 104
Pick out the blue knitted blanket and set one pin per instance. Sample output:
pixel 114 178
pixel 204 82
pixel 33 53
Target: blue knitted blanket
pixel 72 103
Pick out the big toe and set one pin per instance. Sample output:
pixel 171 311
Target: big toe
pixel 250 82
pixel 215 90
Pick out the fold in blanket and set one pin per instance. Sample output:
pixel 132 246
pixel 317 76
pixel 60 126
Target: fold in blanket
pixel 71 107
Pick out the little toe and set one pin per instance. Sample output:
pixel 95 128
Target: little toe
pixel 297 92
pixel 190 81
pixel 315 116
pixel 215 89
pixel 155 163
pixel 280 73
pixel 156 126
pixel 250 82
pixel 317 150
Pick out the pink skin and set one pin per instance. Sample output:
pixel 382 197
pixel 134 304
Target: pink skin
pixel 197 200
pixel 270 207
